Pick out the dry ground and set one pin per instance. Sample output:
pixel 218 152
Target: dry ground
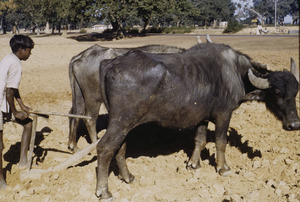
pixel 263 157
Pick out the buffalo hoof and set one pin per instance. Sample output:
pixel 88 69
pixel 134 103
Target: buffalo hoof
pixel 104 194
pixel 73 149
pixel 224 171
pixel 192 165
pixel 128 179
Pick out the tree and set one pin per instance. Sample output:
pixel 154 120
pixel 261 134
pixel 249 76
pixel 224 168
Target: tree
pixel 32 10
pixel 6 6
pixel 233 26
pixel 211 10
pixel 294 12
pixel 267 8
pixel 148 10
pixel 81 11
pixel 55 12
pixel 117 12
pixel 182 11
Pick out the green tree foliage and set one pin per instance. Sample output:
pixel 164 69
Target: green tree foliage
pixel 80 11
pixel 233 26
pixel 36 13
pixel 6 7
pixel 294 12
pixel 209 11
pixel 124 13
pixel 32 10
pixel 154 10
pixel 182 12
pixel 117 12
pixel 266 8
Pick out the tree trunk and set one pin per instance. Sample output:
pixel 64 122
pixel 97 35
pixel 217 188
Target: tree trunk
pixel 33 29
pixel 258 15
pixel 53 27
pixel 47 29
pixel 38 30
pixel 215 24
pixel 295 19
pixel 146 24
pixel 115 26
pixel 14 29
pixel 117 30
pixel 64 32
pixel 59 26
pixel 3 23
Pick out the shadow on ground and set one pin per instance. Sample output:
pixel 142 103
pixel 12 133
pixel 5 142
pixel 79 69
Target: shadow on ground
pixel 152 140
pixel 101 36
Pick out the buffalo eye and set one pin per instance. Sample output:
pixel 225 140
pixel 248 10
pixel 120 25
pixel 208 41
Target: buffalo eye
pixel 278 97
pixel 277 91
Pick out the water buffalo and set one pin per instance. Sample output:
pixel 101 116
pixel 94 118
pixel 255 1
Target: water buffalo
pixel 84 80
pixel 183 90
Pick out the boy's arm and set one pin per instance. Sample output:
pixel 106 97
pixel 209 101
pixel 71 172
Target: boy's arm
pixel 12 93
pixel 2 84
pixel 20 101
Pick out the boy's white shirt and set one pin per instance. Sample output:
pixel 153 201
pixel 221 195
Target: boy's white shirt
pixel 10 77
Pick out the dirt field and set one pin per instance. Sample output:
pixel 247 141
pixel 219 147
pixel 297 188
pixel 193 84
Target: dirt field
pixel 265 159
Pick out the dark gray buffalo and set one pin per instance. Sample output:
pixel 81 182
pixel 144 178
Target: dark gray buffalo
pixel 204 83
pixel 84 80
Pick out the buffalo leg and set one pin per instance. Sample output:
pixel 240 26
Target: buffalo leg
pixel 106 148
pixel 221 140
pixel 123 169
pixel 74 122
pixel 2 181
pixel 91 127
pixel 78 108
pixel 200 142
pixel 92 110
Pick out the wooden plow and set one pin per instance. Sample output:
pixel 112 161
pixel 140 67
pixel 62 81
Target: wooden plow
pixel 36 173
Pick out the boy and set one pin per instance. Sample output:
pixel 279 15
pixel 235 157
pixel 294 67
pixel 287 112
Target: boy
pixel 10 76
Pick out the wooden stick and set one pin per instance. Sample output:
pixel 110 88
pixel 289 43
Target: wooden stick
pixel 69 162
pixel 77 156
pixel 64 165
pixel 32 140
pixel 60 114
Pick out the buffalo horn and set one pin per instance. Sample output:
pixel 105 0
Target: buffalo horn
pixel 258 82
pixel 294 69
pixel 208 39
pixel 260 65
pixel 198 39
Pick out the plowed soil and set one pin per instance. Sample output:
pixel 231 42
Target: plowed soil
pixel 264 158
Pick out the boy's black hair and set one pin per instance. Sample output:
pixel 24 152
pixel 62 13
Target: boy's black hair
pixel 20 41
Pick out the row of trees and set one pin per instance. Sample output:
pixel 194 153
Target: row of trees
pixel 36 13
pixel 264 10
pixel 284 7
pixel 121 13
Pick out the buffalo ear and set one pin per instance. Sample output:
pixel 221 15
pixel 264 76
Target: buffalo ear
pixel 257 95
pixel 294 70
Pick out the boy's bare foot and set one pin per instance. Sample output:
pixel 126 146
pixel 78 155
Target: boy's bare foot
pixel 22 166
pixel 2 184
